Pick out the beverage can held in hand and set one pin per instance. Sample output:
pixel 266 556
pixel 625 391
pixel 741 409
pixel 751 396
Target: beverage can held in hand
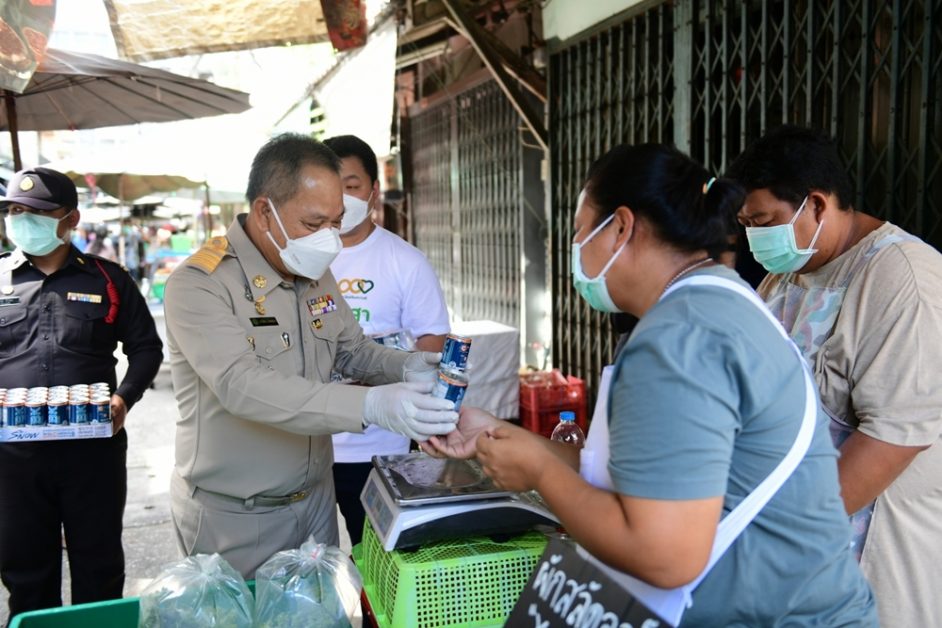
pixel 451 385
pixel 567 431
pixel 455 352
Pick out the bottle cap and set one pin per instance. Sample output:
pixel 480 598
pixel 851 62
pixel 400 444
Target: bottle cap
pixel 567 415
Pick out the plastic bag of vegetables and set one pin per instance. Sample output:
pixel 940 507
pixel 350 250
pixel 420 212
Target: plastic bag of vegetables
pixel 316 585
pixel 199 591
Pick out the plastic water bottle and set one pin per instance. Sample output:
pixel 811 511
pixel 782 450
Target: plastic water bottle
pixel 567 431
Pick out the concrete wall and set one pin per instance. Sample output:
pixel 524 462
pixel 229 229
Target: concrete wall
pixel 563 19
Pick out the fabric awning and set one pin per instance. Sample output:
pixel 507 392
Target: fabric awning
pixel 157 29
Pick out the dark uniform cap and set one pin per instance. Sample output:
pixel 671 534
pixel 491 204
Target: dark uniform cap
pixel 42 189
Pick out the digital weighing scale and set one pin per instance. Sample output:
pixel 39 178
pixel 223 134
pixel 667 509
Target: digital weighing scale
pixel 414 499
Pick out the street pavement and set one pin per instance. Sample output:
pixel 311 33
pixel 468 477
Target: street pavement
pixel 149 543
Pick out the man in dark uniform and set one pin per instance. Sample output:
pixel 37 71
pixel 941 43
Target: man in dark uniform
pixel 62 314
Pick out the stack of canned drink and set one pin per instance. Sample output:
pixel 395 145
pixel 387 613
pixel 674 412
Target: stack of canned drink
pixel 56 406
pixel 452 382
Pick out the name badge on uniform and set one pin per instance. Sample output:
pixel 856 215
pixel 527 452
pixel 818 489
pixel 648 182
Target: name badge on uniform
pixel 83 297
pixel 4 301
pixel 321 305
pixel 264 321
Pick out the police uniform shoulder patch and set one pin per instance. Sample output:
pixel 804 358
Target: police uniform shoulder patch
pixel 210 254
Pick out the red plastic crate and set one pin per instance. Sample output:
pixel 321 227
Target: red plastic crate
pixel 544 422
pixel 551 390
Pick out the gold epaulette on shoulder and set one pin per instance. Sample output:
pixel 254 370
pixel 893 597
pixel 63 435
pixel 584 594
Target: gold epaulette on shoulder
pixel 209 255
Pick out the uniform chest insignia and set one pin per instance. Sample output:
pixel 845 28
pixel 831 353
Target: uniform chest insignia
pixel 317 323
pixel 321 305
pixel 259 281
pixel 7 289
pixel 83 297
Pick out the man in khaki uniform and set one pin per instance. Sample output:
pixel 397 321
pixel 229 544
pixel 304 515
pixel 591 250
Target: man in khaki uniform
pixel 255 323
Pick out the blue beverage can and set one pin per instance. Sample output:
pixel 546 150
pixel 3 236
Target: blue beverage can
pixel 36 413
pixel 57 413
pixel 14 413
pixel 78 411
pixel 451 385
pixel 100 408
pixel 455 352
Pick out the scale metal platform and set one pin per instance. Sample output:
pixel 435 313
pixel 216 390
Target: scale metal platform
pixel 414 499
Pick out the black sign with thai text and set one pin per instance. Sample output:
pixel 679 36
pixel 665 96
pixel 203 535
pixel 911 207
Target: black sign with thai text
pixel 566 590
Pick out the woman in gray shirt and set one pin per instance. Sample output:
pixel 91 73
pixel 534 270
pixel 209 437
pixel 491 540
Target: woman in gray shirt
pixel 707 398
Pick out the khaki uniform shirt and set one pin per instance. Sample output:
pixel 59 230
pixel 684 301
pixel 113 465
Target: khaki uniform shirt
pixel 251 357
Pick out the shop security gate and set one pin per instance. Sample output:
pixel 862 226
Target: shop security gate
pixel 711 76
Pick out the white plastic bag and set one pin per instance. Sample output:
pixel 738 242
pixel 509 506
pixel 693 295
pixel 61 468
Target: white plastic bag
pixel 314 586
pixel 199 591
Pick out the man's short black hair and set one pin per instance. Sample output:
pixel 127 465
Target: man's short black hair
pixel 791 161
pixel 276 169
pixel 352 146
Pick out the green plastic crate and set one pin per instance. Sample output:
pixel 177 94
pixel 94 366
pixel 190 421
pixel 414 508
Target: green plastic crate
pixel 473 582
pixel 121 613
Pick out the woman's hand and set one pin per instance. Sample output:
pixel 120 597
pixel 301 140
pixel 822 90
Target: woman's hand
pixel 514 457
pixel 461 443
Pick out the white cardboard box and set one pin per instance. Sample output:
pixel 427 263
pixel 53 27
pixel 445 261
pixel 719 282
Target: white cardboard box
pixel 493 366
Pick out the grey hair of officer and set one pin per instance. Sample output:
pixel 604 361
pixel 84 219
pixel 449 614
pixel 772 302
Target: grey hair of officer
pixel 276 169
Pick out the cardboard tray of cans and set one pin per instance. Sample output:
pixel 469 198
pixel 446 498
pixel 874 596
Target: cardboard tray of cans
pixel 26 433
pixel 57 413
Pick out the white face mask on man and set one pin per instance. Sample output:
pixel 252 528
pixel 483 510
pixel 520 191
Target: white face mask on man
pixel 309 256
pixel 356 210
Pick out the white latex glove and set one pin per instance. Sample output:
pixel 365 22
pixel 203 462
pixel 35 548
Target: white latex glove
pixel 421 366
pixel 408 409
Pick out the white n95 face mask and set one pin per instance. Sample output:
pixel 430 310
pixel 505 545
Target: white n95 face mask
pixel 311 255
pixel 355 212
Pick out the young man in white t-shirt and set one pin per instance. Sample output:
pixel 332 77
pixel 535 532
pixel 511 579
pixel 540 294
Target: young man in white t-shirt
pixel 390 286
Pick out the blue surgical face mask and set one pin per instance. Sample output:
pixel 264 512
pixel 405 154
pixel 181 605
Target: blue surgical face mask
pixel 35 234
pixel 594 290
pixel 775 247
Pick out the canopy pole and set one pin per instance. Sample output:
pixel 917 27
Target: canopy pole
pixel 121 243
pixel 209 216
pixel 10 102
